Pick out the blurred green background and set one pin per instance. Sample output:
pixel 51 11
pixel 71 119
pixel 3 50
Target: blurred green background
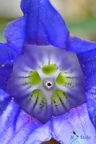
pixel 80 16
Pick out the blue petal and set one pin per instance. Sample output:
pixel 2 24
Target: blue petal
pixel 7 53
pixel 3 96
pixel 44 24
pixel 16 126
pixel 15 36
pixel 91 102
pixel 40 135
pixel 74 127
pixel 7 56
pixel 86 53
pixel 78 45
pixel 4 100
pixel 5 73
pixel 15 33
pixel 88 64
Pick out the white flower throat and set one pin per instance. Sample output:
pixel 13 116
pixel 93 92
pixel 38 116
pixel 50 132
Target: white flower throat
pixel 46 80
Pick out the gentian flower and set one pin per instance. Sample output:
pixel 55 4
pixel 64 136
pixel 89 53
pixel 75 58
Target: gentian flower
pixel 43 93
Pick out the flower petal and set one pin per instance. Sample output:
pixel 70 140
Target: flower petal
pixel 4 100
pixel 5 73
pixel 15 33
pixel 44 24
pixel 88 65
pixel 74 127
pixel 7 53
pixel 91 102
pixel 78 45
pixel 7 57
pixel 15 124
pixel 40 135
pixel 86 53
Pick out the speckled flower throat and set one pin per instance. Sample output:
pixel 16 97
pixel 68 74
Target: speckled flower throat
pixel 46 81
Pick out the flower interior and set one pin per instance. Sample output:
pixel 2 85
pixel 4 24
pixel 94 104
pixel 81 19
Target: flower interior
pixel 46 81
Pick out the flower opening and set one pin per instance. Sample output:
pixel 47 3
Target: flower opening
pixel 45 79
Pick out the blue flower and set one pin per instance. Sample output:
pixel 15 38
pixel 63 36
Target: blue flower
pixel 43 93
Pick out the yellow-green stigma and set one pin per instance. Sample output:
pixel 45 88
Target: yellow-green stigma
pixel 49 69
pixel 34 78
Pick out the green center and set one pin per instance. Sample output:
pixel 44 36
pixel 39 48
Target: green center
pixel 34 78
pixel 49 69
